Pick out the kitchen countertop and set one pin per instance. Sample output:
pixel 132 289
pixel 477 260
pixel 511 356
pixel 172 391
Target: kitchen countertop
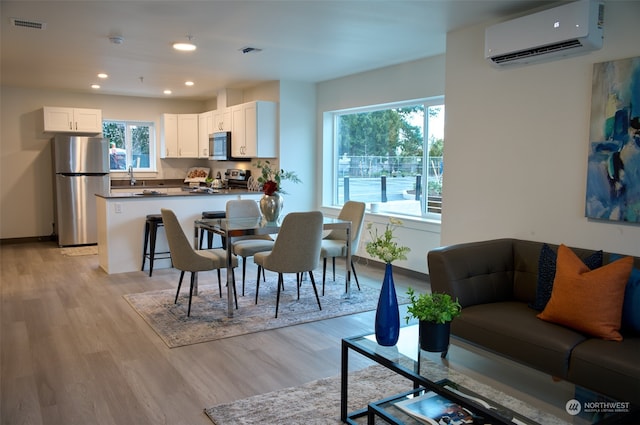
pixel 137 192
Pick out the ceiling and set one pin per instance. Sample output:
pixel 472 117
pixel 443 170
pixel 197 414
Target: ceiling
pixel 301 40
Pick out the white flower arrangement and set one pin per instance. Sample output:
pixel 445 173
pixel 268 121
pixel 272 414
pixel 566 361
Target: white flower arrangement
pixel 383 246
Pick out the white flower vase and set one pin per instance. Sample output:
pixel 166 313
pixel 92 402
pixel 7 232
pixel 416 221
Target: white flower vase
pixel 271 206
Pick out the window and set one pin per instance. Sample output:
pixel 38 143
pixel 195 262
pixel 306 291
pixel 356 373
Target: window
pixel 391 156
pixel 131 144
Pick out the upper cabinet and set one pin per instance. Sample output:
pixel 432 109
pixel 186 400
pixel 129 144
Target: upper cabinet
pixel 72 120
pixel 222 120
pixel 180 135
pixel 205 128
pixel 254 130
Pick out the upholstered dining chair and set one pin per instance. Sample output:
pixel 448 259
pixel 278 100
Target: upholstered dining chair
pixel 335 243
pixel 247 246
pixel 187 259
pixel 295 250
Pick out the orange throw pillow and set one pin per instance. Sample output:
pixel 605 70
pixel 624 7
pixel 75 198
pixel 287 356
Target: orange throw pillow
pixel 589 301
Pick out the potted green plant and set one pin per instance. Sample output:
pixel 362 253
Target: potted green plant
pixel 434 312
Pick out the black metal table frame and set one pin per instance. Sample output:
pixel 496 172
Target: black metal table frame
pixel 412 375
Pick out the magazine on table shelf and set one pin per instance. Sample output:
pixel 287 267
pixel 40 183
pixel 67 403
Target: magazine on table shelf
pixel 435 409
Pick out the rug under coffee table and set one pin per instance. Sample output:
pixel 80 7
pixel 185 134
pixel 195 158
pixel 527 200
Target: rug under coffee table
pixel 419 367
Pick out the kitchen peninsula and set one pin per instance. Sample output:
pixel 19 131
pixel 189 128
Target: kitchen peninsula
pixel 121 218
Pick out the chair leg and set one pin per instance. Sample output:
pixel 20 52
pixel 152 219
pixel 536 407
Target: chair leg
pixel 193 280
pixel 200 239
pixel 353 268
pixel 324 273
pixel 179 285
pixel 219 284
pixel 280 280
pixel 333 262
pixel 313 283
pixel 244 271
pixel 152 248
pixel 146 243
pixel 235 293
pixel 298 283
pixel 258 283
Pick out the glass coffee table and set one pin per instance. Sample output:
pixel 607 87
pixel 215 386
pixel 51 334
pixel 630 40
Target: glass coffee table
pixel 460 398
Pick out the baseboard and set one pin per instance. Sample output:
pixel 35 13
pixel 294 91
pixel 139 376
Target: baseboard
pixel 12 241
pixel 396 270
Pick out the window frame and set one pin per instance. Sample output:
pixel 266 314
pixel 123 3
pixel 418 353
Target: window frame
pixel 331 194
pixel 153 142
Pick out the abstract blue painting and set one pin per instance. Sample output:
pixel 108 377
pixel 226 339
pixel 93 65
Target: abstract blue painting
pixel 613 174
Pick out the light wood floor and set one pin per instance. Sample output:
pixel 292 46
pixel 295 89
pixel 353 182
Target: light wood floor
pixel 74 352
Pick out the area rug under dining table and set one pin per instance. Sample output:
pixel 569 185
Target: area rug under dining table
pixel 209 321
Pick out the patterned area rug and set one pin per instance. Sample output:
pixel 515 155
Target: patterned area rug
pixel 209 321
pixel 321 399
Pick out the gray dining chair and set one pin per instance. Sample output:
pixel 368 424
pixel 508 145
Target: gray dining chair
pixel 335 243
pixel 247 246
pixel 187 259
pixel 296 250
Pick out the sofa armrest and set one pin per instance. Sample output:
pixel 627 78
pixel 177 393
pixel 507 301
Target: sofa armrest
pixel 474 272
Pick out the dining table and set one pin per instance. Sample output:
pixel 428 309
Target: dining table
pixel 229 228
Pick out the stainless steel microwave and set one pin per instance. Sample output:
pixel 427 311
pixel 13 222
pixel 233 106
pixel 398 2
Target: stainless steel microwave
pixel 220 146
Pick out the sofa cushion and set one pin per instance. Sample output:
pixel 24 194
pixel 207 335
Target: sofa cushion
pixel 511 329
pixel 608 367
pixel 547 273
pixel 588 301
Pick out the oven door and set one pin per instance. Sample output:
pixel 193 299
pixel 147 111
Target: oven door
pixel 219 146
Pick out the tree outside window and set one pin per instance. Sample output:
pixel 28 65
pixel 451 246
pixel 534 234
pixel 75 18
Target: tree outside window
pixel 130 144
pixel 391 156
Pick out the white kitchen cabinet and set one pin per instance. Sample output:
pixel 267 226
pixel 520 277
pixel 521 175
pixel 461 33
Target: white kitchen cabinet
pixel 205 128
pixel 72 120
pixel 222 120
pixel 169 136
pixel 188 135
pixel 254 133
pixel 180 135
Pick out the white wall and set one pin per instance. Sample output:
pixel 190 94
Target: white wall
pixel 411 80
pixel 517 143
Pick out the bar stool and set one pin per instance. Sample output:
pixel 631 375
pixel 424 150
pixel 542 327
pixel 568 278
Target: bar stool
pixel 211 214
pixel 151 225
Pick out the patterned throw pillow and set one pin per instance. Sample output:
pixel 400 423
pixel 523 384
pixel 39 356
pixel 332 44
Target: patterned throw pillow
pixel 589 301
pixel 547 272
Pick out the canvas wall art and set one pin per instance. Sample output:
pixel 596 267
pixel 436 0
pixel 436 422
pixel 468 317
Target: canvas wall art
pixel 613 174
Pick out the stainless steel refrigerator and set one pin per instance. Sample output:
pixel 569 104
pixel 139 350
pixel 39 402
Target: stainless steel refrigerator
pixel 81 167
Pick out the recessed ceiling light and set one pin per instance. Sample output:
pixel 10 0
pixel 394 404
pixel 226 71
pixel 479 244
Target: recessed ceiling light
pixel 185 46
pixel 95 86
pixel 167 92
pixel 188 83
pixel 103 75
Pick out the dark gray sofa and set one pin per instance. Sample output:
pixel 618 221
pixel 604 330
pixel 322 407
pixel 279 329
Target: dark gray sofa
pixel 495 281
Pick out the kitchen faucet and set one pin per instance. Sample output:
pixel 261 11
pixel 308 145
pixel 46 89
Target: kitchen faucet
pixel 132 180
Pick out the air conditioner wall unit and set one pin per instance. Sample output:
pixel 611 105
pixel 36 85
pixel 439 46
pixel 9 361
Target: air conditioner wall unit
pixel 566 30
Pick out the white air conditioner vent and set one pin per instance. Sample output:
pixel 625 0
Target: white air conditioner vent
pixel 23 23
pixel 566 30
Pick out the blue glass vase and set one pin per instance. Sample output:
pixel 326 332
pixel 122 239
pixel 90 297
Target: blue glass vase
pixel 387 313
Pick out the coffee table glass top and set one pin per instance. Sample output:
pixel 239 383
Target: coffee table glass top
pixel 543 401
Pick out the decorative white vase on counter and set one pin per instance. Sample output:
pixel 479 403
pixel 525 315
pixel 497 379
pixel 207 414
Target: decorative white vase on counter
pixel 271 206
